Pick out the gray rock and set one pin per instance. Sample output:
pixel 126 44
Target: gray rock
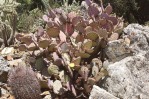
pixel 3 70
pixel 98 93
pixel 129 77
pixel 3 91
pixel 57 87
pixel 117 50
pixel 139 36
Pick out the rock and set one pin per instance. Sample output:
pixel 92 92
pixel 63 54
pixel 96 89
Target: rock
pixel 57 87
pixel 47 97
pixel 3 69
pixel 98 93
pixel 128 78
pixel 139 36
pixel 15 62
pixel 3 92
pixel 7 51
pixel 2 2
pixel 117 50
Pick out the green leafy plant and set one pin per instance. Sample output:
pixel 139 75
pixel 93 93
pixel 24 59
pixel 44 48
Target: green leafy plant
pixel 28 22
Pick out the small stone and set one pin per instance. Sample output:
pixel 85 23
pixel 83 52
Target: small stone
pixel 57 86
pixel 117 50
pixel 48 97
pixel 3 69
pixel 7 51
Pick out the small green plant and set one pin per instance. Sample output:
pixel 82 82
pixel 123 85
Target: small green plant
pixel 28 22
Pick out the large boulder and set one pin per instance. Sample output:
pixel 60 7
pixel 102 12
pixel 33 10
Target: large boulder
pixel 129 77
pixel 99 93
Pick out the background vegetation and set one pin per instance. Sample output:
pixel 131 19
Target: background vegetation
pixel 133 11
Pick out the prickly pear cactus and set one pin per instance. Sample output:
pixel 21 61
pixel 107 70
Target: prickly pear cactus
pixel 75 44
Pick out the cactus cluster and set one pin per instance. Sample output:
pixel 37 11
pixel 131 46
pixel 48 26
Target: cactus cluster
pixel 75 44
pixel 23 83
pixel 8 17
